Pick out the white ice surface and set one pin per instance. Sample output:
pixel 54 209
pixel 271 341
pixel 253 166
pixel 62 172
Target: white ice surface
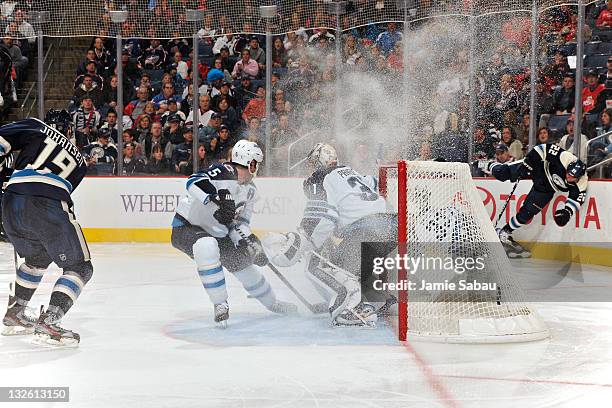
pixel 148 341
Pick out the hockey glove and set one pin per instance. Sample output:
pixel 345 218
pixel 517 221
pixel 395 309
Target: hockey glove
pixel 227 207
pixel 286 249
pixel 562 216
pixel 252 246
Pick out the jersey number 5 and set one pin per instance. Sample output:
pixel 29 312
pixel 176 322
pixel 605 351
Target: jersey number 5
pixel 368 194
pixel 62 160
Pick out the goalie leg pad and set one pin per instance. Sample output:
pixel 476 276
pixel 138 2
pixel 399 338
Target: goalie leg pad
pixel 208 260
pixel 257 285
pixel 345 289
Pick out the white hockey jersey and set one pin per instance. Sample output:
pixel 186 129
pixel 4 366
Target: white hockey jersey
pixel 197 208
pixel 337 197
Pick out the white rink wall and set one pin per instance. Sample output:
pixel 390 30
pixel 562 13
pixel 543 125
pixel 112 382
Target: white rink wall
pixel 140 209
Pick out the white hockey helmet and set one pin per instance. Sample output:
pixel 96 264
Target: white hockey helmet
pixel 322 156
pixel 247 154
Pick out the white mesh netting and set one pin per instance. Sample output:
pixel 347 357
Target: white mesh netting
pixel 445 218
pixel 166 18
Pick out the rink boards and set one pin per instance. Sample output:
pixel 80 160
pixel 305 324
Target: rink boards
pixel 140 209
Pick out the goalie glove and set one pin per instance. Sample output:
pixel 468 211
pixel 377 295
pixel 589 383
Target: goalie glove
pixel 252 246
pixel 286 249
pixel 227 207
pixel 563 216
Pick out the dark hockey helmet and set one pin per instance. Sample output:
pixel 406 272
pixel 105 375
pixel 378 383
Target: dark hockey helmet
pixel 576 169
pixel 59 120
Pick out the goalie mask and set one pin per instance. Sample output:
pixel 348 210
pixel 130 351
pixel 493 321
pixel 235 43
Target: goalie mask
pixel 322 156
pixel 247 154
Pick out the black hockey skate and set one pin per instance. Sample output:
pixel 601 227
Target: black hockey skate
pixel 18 320
pixel 221 314
pixel 49 332
pixel 513 249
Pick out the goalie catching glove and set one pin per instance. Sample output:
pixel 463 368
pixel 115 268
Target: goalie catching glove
pixel 286 250
pixel 227 207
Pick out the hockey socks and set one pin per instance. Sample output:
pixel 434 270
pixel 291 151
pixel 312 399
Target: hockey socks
pixel 28 279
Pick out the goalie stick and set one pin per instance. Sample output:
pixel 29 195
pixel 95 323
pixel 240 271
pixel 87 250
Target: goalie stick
pixel 316 308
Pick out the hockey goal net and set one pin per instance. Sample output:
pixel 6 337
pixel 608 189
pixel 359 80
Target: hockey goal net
pixel 441 216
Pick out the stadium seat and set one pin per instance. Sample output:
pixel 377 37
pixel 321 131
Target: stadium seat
pixel 602 34
pixel 567 49
pixel 596 60
pixel 591 48
pixel 556 125
pixel 205 50
pixel 605 48
pixel 156 77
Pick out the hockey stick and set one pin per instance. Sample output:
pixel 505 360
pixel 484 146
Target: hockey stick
pixel 317 308
pixel 507 201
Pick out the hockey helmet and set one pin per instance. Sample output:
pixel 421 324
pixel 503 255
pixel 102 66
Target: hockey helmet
pixel 576 169
pixel 322 156
pixel 247 154
pixel 60 120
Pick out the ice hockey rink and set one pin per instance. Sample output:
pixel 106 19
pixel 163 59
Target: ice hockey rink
pixel 148 340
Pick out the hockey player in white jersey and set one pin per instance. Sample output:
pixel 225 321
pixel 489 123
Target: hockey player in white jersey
pixel 211 225
pixel 342 210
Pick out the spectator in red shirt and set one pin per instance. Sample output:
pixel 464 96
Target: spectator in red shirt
pixel 604 19
pixel 256 108
pixel 591 92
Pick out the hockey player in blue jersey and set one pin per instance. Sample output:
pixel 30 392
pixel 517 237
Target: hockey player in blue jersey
pixel 39 221
pixel 552 169
pixel 211 226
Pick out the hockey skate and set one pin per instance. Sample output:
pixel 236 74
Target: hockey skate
pixel 49 333
pixel 221 314
pixel 18 320
pixel 284 308
pixel 362 315
pixel 513 249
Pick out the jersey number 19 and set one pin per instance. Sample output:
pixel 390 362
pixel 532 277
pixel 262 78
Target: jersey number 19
pixel 64 162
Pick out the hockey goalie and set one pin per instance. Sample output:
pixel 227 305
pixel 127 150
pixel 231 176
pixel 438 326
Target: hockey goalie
pixel 342 210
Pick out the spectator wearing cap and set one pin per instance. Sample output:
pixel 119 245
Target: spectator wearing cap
pixel 508 138
pixel 225 92
pixel 229 116
pixel 171 111
pixel 211 129
pixel 226 62
pixel 86 121
pixel 591 91
pixel 502 155
pixel 100 155
pixel 89 88
pixel 563 98
pixel 218 146
pixel 225 41
pixel 136 107
pixel 182 153
pixel 173 131
pixel 154 57
pixel 132 164
pixel 387 39
pixel 244 93
pixel 245 66
pixel 167 93
pixel 256 108
pixel 158 164
pixel 90 56
pixel 567 141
